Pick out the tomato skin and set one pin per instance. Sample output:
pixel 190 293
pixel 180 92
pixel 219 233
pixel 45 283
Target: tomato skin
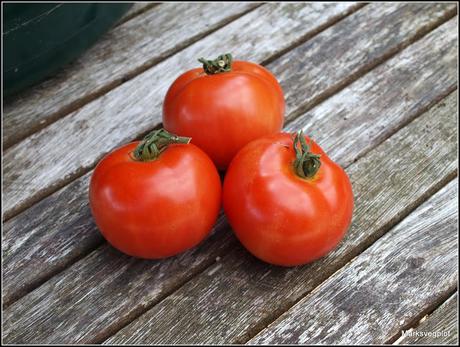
pixel 158 208
pixel 278 216
pixel 225 111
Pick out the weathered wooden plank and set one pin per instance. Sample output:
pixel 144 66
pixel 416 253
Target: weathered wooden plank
pixel 122 53
pixel 240 295
pixel 440 327
pixel 396 279
pixel 51 303
pixel 426 69
pixel 46 238
pixel 137 9
pixel 353 46
pixel 102 288
pixel 74 239
pixel 135 107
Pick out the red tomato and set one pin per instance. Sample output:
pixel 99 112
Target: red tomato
pixel 224 108
pixel 159 207
pixel 279 216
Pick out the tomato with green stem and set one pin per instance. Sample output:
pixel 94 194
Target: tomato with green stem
pixel 224 105
pixel 286 200
pixel 155 198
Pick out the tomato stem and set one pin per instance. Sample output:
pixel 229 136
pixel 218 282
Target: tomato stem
pixel 307 163
pixel 223 63
pixel 155 143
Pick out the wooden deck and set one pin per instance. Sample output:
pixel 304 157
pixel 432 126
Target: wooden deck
pixel 374 84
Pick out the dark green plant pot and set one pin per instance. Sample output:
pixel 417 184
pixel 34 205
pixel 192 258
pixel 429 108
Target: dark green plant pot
pixel 40 38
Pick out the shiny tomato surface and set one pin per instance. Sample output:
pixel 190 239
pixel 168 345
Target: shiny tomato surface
pixel 224 111
pixel 157 208
pixel 278 216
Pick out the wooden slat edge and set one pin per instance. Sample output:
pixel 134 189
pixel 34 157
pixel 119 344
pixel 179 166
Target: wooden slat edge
pixel 137 9
pixel 442 324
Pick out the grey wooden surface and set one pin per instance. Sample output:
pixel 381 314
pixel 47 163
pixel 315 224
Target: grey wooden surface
pixel 374 85
pixel 74 239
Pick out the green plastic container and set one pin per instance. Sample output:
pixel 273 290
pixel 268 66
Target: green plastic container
pixel 40 38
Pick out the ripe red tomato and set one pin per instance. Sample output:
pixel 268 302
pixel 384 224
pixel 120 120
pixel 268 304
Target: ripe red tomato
pixel 223 106
pixel 158 204
pixel 287 205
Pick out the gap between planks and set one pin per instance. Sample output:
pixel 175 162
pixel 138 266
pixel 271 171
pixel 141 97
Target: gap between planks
pixel 421 33
pixel 93 249
pixel 416 320
pixel 442 314
pixel 308 36
pixel 99 339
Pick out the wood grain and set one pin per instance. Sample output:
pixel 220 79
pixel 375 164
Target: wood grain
pixel 104 291
pixel 367 301
pixel 137 9
pixel 135 107
pixel 355 45
pixel 240 295
pixel 124 294
pixel 409 83
pixel 44 239
pixel 122 53
pixel 69 230
pixel 443 321
pixel 37 234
